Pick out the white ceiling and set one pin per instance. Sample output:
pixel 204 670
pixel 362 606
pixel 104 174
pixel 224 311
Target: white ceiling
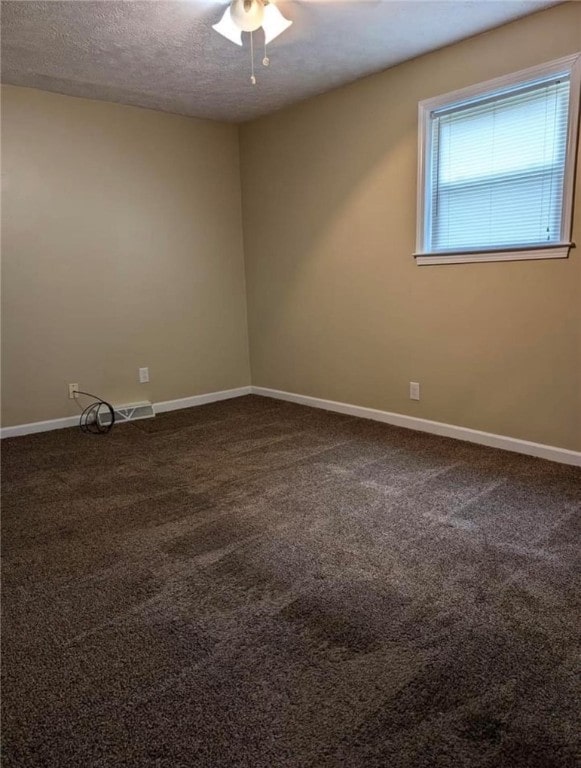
pixel 164 55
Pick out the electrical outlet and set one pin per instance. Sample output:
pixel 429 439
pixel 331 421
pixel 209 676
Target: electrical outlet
pixel 414 390
pixel 143 375
pixel 73 389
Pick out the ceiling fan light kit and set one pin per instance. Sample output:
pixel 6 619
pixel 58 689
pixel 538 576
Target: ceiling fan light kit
pixel 248 16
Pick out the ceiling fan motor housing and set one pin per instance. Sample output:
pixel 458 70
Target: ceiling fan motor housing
pixel 247 14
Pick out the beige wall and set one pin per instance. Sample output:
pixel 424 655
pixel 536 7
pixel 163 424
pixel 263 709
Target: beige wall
pixel 121 248
pixel 337 307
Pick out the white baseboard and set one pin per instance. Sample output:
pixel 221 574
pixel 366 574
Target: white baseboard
pixel 211 397
pixel 168 405
pixel 38 426
pixel 550 452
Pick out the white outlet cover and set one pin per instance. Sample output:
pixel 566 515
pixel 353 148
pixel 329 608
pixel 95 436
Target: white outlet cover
pixel 143 375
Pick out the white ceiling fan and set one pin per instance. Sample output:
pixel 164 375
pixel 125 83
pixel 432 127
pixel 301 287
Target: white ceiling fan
pixel 248 16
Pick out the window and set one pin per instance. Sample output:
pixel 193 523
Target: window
pixel 496 168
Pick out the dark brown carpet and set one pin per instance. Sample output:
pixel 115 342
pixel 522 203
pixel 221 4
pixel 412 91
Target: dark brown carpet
pixel 254 583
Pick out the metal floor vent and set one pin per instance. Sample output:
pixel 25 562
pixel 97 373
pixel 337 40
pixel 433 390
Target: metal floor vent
pixel 130 412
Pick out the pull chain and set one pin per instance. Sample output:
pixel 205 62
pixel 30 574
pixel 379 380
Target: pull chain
pixel 252 76
pixel 265 60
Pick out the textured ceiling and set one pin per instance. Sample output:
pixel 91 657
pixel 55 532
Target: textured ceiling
pixel 164 55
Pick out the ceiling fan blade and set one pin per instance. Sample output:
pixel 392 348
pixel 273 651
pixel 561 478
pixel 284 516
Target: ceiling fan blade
pixel 273 23
pixel 228 29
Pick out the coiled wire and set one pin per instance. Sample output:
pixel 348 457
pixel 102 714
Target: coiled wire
pixel 89 421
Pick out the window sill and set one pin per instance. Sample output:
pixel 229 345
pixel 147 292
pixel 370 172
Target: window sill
pixel 558 251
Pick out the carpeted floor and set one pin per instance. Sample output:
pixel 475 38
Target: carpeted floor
pixel 255 583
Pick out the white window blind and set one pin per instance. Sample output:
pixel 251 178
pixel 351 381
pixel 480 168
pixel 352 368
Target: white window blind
pixel 498 168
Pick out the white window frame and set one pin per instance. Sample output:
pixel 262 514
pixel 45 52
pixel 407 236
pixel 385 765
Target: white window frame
pixel 570 65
